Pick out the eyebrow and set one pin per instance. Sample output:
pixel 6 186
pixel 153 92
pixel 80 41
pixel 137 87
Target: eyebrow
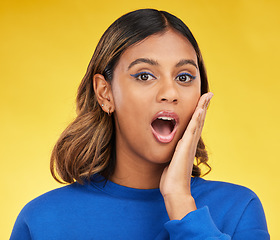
pixel 185 62
pixel 143 60
pixel 155 63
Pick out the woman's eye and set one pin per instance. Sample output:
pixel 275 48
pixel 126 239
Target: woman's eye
pixel 143 76
pixel 185 77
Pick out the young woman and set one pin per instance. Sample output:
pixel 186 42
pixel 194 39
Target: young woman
pixel 133 154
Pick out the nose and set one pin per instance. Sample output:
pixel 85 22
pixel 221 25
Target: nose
pixel 167 92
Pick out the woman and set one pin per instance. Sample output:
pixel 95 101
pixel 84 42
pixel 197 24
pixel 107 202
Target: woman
pixel 129 154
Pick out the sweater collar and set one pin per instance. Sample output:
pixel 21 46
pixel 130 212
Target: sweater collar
pixel 113 189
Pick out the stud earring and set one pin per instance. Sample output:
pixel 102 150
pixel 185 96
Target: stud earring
pixel 102 105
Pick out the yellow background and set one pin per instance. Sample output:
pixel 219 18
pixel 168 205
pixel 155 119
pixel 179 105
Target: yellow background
pixel 45 47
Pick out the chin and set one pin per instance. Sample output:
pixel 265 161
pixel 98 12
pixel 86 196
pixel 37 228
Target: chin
pixel 162 154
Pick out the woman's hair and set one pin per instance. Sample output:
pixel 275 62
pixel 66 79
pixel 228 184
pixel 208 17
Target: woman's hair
pixel 87 145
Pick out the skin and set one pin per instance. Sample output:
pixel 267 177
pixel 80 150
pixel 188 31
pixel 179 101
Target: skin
pixel 141 160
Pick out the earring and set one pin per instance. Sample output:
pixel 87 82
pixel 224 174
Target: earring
pixel 102 105
pixel 109 111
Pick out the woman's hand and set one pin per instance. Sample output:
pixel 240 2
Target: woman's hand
pixel 176 178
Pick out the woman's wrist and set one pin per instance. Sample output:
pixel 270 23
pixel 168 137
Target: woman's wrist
pixel 179 205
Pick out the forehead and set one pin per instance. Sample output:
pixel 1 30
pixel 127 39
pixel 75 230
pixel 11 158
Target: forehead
pixel 169 46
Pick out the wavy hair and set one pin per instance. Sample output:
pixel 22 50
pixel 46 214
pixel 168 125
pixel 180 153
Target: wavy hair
pixel 87 145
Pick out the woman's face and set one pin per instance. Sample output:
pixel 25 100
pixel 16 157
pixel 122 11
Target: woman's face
pixel 155 87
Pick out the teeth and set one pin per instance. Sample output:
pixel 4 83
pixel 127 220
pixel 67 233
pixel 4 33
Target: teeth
pixel 166 118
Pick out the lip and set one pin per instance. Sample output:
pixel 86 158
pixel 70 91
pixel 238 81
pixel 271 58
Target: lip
pixel 167 138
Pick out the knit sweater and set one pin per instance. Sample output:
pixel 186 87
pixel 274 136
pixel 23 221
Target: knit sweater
pixel 105 210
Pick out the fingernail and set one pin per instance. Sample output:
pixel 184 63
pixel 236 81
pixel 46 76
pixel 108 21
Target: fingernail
pixel 210 95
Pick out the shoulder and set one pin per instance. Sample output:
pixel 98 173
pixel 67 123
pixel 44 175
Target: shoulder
pixel 53 195
pixel 61 198
pixel 222 193
pixel 58 210
pixel 233 207
pixel 223 188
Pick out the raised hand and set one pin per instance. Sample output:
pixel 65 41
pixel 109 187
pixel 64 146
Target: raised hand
pixel 176 177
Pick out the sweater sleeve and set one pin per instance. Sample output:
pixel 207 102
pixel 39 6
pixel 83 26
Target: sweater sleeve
pixel 20 230
pixel 195 225
pixel 200 225
pixel 252 224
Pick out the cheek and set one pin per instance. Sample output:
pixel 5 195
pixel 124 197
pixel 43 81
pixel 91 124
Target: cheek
pixel 196 93
pixel 128 100
pixel 190 102
pixel 118 95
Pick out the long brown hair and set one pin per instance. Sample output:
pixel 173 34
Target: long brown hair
pixel 86 146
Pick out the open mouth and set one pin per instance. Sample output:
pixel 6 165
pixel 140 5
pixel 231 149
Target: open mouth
pixel 164 126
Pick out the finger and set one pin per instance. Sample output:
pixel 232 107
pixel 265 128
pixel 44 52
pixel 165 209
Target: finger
pixel 188 143
pixel 205 107
pixel 203 100
pixel 190 138
pixel 192 134
pixel 186 147
pixel 198 117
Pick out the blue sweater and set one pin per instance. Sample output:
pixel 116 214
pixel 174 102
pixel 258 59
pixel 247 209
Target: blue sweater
pixel 100 211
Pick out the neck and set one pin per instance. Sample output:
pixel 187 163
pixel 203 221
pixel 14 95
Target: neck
pixel 137 173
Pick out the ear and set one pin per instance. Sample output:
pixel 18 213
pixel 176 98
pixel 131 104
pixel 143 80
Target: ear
pixel 103 93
